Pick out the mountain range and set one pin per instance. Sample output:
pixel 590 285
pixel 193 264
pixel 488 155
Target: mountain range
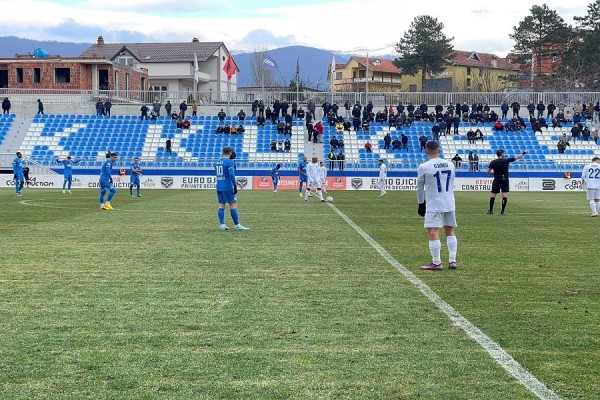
pixel 313 62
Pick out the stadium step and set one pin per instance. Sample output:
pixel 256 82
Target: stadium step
pixel 16 134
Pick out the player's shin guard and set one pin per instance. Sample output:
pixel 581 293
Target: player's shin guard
pixel 435 248
pixel 320 193
pixel 111 194
pixel 504 201
pixel 221 214
pixel 452 243
pixel 234 216
pixel 492 200
pixel 594 206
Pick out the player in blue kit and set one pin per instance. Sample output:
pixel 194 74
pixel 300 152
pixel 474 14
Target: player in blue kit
pixel 17 167
pixel 227 190
pixel 134 179
pixel 106 184
pixel 275 177
pixel 68 172
pixel 302 174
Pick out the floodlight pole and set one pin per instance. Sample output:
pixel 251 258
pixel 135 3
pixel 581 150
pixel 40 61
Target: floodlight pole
pixel 367 81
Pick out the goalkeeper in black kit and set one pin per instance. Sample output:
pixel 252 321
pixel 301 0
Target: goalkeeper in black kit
pixel 499 168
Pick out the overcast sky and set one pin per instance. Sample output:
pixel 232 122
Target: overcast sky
pixel 339 25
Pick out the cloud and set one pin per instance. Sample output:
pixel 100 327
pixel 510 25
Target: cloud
pixel 70 28
pixel 264 38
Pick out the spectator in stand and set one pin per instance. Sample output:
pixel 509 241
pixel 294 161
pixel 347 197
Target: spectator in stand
pixel 410 109
pixel 356 124
pixel 471 136
pixel 153 116
pixel 471 159
pixel 107 106
pixel 585 134
pixel 183 107
pixel 334 143
pixel 455 122
pixel 310 106
pixel 423 107
pixel 144 111
pixel 422 142
pixel 260 120
pixel 535 126
pixel 396 144
pixel 339 127
pixel 597 113
pixel 319 131
pixel 568 117
pixel 464 108
pixel 273 146
pixel 596 136
pixel 387 141
pixel 156 106
pixel 368 147
pixel 341 158
pixel 287 145
pixel 186 124
pixel 542 122
pixel 300 113
pixel 261 108
pixel 221 115
pixel 404 140
pixel 435 132
pixel 478 135
pixel 556 123
pixel 280 146
pixel 294 109
pixel 531 110
pixel 577 117
pixel 284 107
pixel 562 144
pixel 241 129
pixel 365 125
pixel 498 125
pixel 457 161
pixel 194 108
pixel 311 131
pixel 254 108
pixel 99 108
pixel 504 107
pixel 40 107
pixel 515 108
pixel 476 161
pixel 341 143
pixel 168 146
pixel 347 125
pixel 168 107
pixel 493 116
pixel 332 157
pixel 274 117
pixel 241 115
pixel 551 108
pixel 6 106
pixel 578 107
pixel 280 126
pixel 540 109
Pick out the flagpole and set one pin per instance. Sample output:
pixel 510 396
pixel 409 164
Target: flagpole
pixel 298 80
pixel 367 81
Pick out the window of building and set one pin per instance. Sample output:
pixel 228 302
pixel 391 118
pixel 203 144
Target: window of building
pixel 468 70
pixel 127 82
pixel 37 75
pixel 117 80
pixel 362 74
pixel 19 75
pixel 468 82
pixel 377 63
pixel 125 59
pixel 62 75
pixel 338 76
pixel 412 88
pixel 474 57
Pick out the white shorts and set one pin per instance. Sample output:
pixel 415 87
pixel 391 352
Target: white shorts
pixel 593 194
pixel 440 219
pixel 323 182
pixel 314 184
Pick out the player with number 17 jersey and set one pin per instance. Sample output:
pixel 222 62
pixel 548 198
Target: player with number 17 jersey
pixel 435 183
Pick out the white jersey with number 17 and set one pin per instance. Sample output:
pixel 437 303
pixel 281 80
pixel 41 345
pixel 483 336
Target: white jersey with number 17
pixel 435 184
pixel 591 176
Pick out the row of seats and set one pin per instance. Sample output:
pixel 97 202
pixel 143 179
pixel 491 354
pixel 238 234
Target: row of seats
pixel 6 121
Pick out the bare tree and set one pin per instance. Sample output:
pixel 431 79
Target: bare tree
pixel 260 76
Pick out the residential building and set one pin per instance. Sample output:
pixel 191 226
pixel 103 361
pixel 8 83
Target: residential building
pixel 467 71
pixel 171 65
pixel 379 74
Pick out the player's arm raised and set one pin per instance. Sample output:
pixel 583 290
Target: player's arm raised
pixel 519 156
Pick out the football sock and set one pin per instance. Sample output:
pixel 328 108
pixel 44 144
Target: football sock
pixel 306 194
pixel 234 216
pixel 64 185
pixel 593 206
pixel 110 195
pixel 131 190
pixel 492 200
pixel 300 187
pixel 504 201
pixel 102 198
pixel 452 243
pixel 69 186
pixel 435 248
pixel 320 193
pixel 221 214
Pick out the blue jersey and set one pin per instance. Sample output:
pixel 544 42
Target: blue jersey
pixel 17 165
pixel 302 167
pixel 135 166
pixel 275 174
pixel 68 165
pixel 225 170
pixel 106 172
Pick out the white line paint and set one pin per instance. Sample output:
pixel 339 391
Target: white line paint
pixel 499 355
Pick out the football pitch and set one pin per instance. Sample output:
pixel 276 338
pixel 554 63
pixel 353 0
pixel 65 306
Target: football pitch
pixel 152 301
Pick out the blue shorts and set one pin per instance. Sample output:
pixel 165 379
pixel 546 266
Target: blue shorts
pixel 226 196
pixel 20 177
pixel 275 180
pixel 68 177
pixel 134 179
pixel 303 178
pixel 106 185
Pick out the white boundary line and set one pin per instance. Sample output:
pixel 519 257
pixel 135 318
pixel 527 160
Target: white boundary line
pixel 499 355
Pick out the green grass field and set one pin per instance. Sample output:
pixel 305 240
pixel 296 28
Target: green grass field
pixel 152 301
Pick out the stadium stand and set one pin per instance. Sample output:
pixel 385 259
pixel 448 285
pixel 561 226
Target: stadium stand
pixel 88 137
pixel 543 157
pixel 6 121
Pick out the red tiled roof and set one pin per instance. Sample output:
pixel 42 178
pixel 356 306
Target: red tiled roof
pixel 385 65
pixel 485 60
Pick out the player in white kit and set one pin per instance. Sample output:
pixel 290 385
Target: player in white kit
pixel 435 195
pixel 314 182
pixel 323 176
pixel 590 181
pixel 382 177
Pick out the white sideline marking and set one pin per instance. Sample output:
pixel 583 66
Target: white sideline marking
pixel 499 355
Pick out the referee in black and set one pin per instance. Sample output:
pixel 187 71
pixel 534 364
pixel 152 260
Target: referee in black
pixel 499 168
